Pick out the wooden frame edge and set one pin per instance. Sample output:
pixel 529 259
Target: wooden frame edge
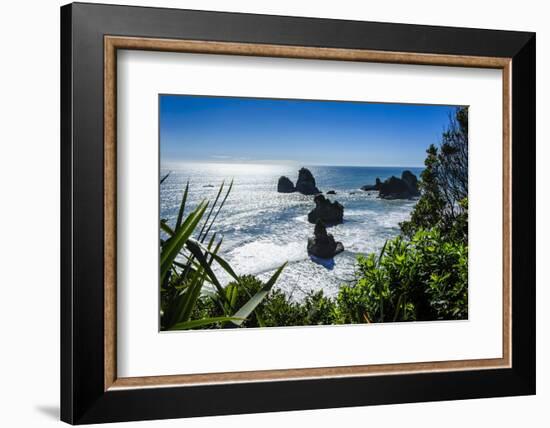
pixel 301 52
pixel 110 224
pixel 507 213
pixel 112 43
pixel 299 374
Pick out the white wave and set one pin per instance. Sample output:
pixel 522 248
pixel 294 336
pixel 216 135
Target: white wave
pixel 264 255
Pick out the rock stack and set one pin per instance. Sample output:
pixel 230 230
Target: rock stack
pixel 375 186
pixel 306 183
pixel 285 185
pixel 405 187
pixel 328 212
pixel 322 244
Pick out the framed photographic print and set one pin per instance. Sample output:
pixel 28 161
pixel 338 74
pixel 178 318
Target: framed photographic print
pixel 266 213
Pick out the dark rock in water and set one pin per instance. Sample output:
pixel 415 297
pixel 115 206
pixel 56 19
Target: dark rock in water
pixel 411 180
pixel 306 182
pixel 322 244
pixel 405 187
pixel 331 192
pixel 326 211
pixel 394 188
pixel 352 193
pixel 375 186
pixel 285 185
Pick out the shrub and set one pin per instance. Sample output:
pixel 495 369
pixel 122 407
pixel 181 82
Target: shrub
pixel 277 309
pixel 425 278
pixel 320 309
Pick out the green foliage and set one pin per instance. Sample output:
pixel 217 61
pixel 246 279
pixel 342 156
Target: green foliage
pixel 425 278
pixel 457 230
pixel 427 212
pixel 186 270
pixel 246 310
pixel 444 184
pixel 320 309
pixel 276 309
pixel 315 309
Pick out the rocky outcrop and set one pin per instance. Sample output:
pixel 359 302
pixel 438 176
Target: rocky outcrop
pixel 328 212
pixel 306 183
pixel 405 187
pixel 394 188
pixel 323 244
pixel 285 185
pixel 331 192
pixel 375 186
pixel 411 180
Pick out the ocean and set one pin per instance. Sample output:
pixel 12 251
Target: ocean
pixel 262 228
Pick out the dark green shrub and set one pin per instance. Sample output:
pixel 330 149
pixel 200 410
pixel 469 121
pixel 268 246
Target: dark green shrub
pixel 320 309
pixel 425 278
pixel 278 310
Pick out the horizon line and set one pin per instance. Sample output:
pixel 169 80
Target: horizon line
pixel 281 163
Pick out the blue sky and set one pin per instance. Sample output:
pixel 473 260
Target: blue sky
pixel 226 129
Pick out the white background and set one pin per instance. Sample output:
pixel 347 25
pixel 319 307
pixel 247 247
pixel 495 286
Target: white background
pixel 142 351
pixel 29 217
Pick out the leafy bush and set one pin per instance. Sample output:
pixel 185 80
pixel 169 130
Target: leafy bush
pixel 276 309
pixel 425 278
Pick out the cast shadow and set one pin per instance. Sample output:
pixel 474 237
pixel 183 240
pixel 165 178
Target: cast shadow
pixel 51 411
pixel 326 263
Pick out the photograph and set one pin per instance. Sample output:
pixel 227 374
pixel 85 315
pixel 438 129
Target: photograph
pixel 288 212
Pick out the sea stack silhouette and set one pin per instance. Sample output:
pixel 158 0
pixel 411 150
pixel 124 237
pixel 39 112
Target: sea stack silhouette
pixel 323 244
